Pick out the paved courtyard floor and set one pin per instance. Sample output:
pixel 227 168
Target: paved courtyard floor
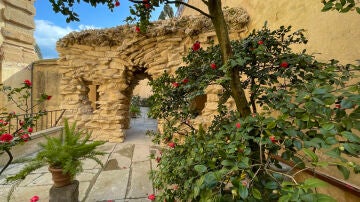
pixel 124 178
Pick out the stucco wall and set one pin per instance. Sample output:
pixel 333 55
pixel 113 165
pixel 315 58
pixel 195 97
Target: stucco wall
pixel 332 34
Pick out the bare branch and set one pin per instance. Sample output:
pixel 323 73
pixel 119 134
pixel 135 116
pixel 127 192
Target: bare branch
pixel 190 6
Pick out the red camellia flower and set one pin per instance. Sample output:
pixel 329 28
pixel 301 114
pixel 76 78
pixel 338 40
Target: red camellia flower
pixel 186 80
pixel 34 199
pixel 117 3
pixel 27 83
pixel 137 29
pixel 260 42
pixel 48 97
pixel 213 66
pixel 337 106
pixel 196 46
pixel 6 137
pixel 171 144
pixel 238 125
pixel 25 137
pixel 175 84
pixel 284 65
pixel 273 139
pixel 151 197
pixel 30 130
pixel 3 123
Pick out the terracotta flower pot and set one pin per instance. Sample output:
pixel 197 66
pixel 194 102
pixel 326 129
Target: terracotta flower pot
pixel 60 179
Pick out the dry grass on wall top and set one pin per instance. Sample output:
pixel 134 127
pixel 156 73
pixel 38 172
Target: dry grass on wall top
pixel 188 25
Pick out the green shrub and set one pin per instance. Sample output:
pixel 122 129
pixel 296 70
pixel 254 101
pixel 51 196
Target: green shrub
pixel 300 107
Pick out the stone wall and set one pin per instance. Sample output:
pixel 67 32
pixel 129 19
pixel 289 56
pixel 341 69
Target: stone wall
pixel 105 64
pixel 16 42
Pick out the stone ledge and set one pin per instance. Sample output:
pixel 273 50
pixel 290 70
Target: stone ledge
pixel 26 6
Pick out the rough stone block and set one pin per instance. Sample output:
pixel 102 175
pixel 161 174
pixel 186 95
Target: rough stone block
pixel 19 17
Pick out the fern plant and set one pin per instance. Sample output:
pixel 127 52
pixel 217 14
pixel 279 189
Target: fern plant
pixel 65 152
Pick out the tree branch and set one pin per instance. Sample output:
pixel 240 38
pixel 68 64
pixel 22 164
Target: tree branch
pixel 190 6
pixel 179 2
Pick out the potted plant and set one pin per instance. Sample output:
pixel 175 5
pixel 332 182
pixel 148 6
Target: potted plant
pixel 63 155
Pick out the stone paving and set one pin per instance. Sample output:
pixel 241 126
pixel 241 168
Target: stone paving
pixel 124 178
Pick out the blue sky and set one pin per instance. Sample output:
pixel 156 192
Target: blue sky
pixel 51 26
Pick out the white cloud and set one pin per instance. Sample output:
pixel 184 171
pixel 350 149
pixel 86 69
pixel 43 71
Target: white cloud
pixel 47 33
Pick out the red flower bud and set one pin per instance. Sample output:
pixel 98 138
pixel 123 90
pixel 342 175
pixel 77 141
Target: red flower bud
pixel 337 106
pixel 186 80
pixel 196 46
pixel 147 6
pixel 21 123
pixel 48 97
pixel 238 125
pixel 284 65
pixel 137 29
pixel 34 199
pixel 30 130
pixel 175 84
pixel 117 3
pixel 260 42
pixel 25 137
pixel 171 144
pixel 273 139
pixel 27 83
pixel 213 66
pixel 151 197
pixel 158 159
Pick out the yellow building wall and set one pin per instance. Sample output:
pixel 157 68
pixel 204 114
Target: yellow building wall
pixel 334 35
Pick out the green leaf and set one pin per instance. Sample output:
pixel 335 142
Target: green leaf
pixel 298 162
pixel 297 144
pixel 314 182
pixel 227 163
pixel 321 164
pixel 285 198
pixel 350 136
pixel 352 148
pixel 328 126
pixel 318 101
pixel 200 168
pixel 358 10
pixel 320 91
pixel 271 125
pixel 331 140
pixel 243 191
pixel 256 193
pixel 311 154
pixel 344 171
pixel 346 104
pixel 271 185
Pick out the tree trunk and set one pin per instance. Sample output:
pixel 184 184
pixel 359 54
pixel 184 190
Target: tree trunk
pixel 221 29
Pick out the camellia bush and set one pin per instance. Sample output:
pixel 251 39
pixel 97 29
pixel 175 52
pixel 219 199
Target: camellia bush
pixel 20 97
pixel 300 108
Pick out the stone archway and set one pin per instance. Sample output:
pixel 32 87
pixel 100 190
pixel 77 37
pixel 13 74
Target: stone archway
pixel 109 59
